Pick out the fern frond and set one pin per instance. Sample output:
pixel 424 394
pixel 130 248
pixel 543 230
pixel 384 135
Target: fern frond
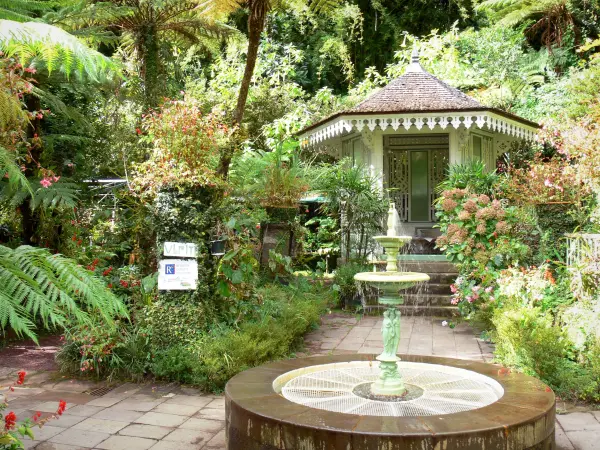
pixel 10 170
pixel 60 194
pixel 48 47
pixel 38 287
pixel 22 10
pixel 324 6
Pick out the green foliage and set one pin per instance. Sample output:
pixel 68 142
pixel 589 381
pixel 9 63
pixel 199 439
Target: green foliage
pixel 38 287
pixel 471 175
pixel 285 315
pixel 354 194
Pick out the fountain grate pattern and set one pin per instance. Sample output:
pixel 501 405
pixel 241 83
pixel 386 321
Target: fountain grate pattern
pixel 446 390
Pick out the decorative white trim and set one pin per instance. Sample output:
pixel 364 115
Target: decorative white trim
pixel 486 121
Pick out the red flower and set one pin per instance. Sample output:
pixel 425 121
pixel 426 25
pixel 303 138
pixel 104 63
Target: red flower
pixel 21 375
pixel 62 405
pixel 124 283
pixel 10 420
pixel 107 271
pixel 36 416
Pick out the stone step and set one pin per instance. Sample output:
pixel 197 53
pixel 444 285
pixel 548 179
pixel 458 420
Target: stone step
pixel 442 277
pixel 418 300
pixel 445 312
pixel 427 266
pixel 430 288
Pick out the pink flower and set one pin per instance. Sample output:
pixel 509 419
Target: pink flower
pixel 453 289
pixel 45 182
pixel 489 289
pixel 547 182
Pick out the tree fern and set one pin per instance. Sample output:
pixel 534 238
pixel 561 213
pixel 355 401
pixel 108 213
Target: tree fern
pixel 47 47
pixel 37 287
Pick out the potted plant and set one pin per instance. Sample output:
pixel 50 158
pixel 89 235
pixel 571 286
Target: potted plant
pixel 217 245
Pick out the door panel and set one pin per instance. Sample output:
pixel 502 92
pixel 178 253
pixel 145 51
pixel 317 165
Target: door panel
pixel 419 186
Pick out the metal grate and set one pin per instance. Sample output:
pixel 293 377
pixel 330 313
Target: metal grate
pixel 446 390
pixel 99 392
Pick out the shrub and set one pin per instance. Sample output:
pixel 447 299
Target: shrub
pixel 285 315
pixel 527 339
pixel 344 283
pixel 121 352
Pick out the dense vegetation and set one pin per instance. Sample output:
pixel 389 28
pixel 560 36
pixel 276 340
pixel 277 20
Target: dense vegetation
pixel 190 108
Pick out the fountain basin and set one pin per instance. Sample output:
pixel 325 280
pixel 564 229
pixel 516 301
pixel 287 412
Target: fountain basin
pixel 260 418
pixel 392 241
pixel 390 283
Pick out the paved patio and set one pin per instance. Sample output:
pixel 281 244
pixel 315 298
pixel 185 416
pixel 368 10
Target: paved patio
pixel 169 417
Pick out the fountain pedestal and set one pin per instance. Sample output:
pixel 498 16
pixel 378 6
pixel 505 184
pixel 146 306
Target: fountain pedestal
pixel 389 382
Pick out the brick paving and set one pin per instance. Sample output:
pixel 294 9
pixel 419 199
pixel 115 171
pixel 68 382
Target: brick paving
pixel 170 417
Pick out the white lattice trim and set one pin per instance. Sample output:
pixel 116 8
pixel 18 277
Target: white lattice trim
pixel 487 120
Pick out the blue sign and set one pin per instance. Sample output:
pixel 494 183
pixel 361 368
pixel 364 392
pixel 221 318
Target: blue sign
pixel 170 269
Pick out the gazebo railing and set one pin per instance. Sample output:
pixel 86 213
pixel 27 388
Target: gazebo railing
pixel 582 248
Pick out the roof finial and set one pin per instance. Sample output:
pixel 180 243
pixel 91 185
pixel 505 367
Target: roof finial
pixel 415 64
pixel 414 58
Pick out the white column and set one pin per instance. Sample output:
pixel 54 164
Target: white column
pixel 373 141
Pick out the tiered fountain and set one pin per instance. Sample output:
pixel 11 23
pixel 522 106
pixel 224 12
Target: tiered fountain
pixel 389 283
pixel 350 402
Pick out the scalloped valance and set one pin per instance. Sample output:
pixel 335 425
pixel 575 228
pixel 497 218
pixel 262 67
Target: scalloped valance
pixel 486 120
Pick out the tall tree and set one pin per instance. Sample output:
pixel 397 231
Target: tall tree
pixel 257 16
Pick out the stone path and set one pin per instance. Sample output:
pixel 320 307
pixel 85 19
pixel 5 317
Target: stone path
pixel 171 417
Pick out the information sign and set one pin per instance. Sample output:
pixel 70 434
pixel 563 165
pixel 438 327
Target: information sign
pixel 177 274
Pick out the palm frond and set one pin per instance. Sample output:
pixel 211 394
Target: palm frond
pixel 48 47
pixel 39 287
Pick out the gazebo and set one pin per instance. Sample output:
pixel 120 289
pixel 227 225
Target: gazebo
pixel 408 133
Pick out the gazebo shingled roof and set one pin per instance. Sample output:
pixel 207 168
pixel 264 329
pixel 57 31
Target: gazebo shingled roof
pixel 419 92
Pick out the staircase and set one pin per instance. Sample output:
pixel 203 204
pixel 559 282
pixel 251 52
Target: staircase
pixel 431 298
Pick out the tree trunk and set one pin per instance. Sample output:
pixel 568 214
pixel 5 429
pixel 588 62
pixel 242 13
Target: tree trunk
pixel 256 24
pixel 151 67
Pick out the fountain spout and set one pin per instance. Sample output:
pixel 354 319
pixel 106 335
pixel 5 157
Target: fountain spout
pixel 391 221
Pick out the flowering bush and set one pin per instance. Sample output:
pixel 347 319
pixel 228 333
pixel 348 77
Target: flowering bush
pixel 12 431
pixel 185 146
pixel 478 236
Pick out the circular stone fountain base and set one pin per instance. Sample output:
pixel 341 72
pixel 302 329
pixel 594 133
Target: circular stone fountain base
pixel 504 411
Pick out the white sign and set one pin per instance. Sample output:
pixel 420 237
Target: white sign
pixel 183 249
pixel 177 274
